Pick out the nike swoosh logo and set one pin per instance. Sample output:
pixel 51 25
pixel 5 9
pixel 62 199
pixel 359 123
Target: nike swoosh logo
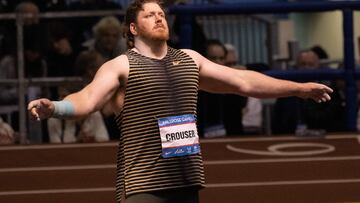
pixel 176 63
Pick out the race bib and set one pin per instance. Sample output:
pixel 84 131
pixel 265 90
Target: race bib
pixel 179 136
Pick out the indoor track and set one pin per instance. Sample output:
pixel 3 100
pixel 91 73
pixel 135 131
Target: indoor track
pixel 238 169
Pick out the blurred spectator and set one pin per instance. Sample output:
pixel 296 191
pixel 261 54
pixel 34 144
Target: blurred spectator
pixel 87 63
pixel 35 40
pixel 31 9
pixel 308 117
pixel 7 134
pixel 88 129
pixel 8 93
pixel 34 66
pixel 108 40
pixel 233 105
pixel 251 108
pixel 307 60
pixel 219 115
pixel 232 56
pixel 82 26
pixel 210 106
pixel 60 54
pixel 329 116
pixel 320 52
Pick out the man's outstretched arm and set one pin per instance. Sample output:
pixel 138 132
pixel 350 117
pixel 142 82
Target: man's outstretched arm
pixel 90 99
pixel 221 79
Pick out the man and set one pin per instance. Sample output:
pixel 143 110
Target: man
pixel 159 157
pixel 320 118
pixel 307 60
pixel 210 114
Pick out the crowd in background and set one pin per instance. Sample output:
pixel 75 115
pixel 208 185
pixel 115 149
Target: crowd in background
pixel 78 47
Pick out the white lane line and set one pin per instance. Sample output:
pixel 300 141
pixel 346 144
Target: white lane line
pixel 55 191
pixel 214 185
pixel 279 183
pixel 57 168
pixel 220 162
pixel 57 146
pixel 316 159
pixel 274 150
pixel 216 140
pixel 274 138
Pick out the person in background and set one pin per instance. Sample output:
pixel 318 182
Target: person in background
pixel 82 26
pixel 88 129
pixel 60 55
pixel 86 65
pixel 329 117
pixel 107 39
pixel 307 60
pixel 232 57
pixel 320 52
pixel 7 134
pixel 34 66
pixel 211 106
pixel 305 117
pixel 250 107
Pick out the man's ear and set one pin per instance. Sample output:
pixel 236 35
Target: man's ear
pixel 133 29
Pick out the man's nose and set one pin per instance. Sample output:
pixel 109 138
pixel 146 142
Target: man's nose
pixel 158 19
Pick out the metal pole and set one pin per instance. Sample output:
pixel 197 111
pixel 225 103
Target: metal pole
pixel 21 83
pixel 185 31
pixel 349 64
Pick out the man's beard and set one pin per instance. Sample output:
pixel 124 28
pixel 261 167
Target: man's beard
pixel 156 34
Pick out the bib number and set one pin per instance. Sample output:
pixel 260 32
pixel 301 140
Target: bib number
pixel 179 136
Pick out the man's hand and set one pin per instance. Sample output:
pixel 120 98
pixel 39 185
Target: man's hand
pixel 317 92
pixel 41 109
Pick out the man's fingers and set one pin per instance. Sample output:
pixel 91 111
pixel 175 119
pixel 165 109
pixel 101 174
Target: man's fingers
pixel 328 89
pixel 33 108
pixel 34 104
pixel 323 98
pixel 34 112
pixel 327 97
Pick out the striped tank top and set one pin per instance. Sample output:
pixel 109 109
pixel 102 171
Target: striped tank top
pixel 156 88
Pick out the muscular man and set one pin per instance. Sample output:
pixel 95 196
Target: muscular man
pixel 153 89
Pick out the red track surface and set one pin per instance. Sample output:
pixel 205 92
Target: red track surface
pixel 261 169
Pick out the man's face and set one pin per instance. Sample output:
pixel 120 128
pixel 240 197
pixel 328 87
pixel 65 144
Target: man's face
pixel 308 60
pixel 110 38
pixel 30 9
pixel 216 53
pixel 231 59
pixel 151 23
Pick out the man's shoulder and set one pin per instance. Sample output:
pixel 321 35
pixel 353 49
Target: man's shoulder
pixel 190 52
pixel 121 59
pixel 193 54
pixel 120 62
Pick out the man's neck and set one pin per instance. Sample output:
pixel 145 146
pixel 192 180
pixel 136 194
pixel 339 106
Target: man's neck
pixel 154 49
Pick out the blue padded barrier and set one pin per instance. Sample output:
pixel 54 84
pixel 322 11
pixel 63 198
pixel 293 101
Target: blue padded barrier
pixel 307 75
pixel 263 7
pixel 349 74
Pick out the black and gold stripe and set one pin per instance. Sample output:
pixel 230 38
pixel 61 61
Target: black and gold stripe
pixel 155 89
